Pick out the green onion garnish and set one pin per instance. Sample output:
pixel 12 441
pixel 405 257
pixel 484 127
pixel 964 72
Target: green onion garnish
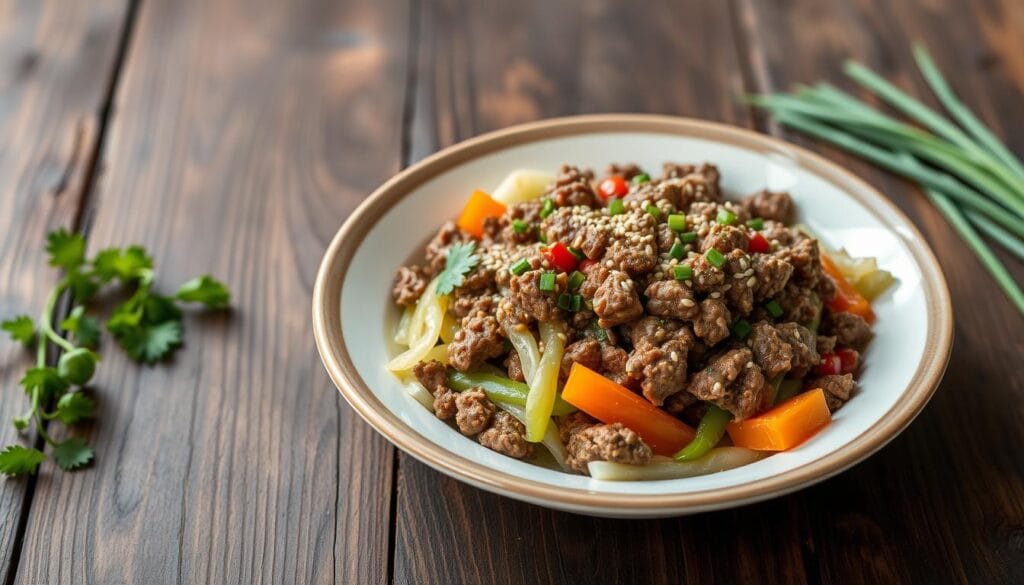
pixel 547 282
pixel 725 217
pixel 520 226
pixel 715 257
pixel 577 303
pixel 756 224
pixel 547 208
pixel 741 329
pixel 774 309
pixel 521 266
pixel 641 179
pixel 682 272
pixel 653 210
pixel 677 251
pixel 677 223
pixel 616 206
pixel 576 279
pixel 564 301
pixel 688 237
pixel 542 236
pixel 575 252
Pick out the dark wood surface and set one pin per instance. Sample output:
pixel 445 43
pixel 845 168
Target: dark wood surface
pixel 234 137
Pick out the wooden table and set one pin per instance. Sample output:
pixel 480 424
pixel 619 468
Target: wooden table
pixel 234 137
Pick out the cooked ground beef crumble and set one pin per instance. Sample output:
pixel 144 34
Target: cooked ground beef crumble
pixel 682 297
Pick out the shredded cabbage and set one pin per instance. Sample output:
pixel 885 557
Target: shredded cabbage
pixel 417 391
pixel 526 346
pixel 544 385
pixel 718 459
pixel 402 329
pixel 424 329
pixel 551 441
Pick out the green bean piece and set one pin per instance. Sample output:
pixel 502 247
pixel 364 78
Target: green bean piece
pixel 709 433
pixel 500 389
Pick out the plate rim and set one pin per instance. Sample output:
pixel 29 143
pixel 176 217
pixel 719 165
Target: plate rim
pixel 326 309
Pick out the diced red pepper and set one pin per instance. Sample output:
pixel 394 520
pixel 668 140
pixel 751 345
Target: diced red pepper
pixel 758 244
pixel 841 361
pixel 559 257
pixel 613 186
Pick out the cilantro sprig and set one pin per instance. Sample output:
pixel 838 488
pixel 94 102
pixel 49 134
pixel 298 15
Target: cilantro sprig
pixel 147 325
pixel 458 263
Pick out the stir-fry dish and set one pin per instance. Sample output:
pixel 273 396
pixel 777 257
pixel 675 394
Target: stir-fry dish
pixel 630 327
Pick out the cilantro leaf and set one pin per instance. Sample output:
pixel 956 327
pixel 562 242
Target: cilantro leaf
pixel 459 262
pixel 73 453
pixel 206 290
pixel 22 329
pixel 83 285
pixel 75 406
pixel 150 343
pixel 66 250
pixel 47 380
pixel 86 329
pixel 18 460
pixel 128 264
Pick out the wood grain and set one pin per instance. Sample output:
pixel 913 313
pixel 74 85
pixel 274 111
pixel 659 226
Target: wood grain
pixel 243 134
pixel 945 502
pixel 55 68
pixel 487 65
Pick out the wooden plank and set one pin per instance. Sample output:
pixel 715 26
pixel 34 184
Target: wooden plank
pixel 243 134
pixel 485 65
pixel 56 61
pixel 944 502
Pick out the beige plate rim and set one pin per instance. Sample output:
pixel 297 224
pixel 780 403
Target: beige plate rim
pixel 333 352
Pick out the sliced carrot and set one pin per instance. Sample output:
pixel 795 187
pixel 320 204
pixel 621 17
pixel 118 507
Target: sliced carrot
pixel 610 403
pixel 847 297
pixel 479 207
pixel 785 426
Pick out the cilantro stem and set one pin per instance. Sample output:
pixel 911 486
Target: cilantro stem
pixel 46 321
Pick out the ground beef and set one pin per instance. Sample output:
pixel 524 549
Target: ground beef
pixel 592 241
pixel 826 344
pixel 849 329
pixel 778 234
pixel 666 238
pixel 706 277
pixel 616 300
pixel 613 442
pixel 707 172
pixel 514 367
pixel 733 382
pixel 445 406
pixel 561 226
pixel 613 363
pixel 661 369
pixel 409 284
pixel 679 402
pixel 479 339
pixel 772 274
pixel 626 171
pixel 837 389
pixel 772 205
pixel 804 346
pixel 771 352
pixel 573 423
pixel 586 352
pixel 636 252
pixel 596 274
pixel 798 304
pixel 739 275
pixel 671 298
pixel 474 411
pixel 572 187
pixel 431 374
pixel 713 323
pixel 507 436
pixel 725 239
pixel 437 248
pixel 527 299
pixel 805 257
pixel 469 303
pixel 649 330
pixel 527 211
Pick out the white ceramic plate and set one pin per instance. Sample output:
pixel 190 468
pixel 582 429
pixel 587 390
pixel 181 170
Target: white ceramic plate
pixel 354 315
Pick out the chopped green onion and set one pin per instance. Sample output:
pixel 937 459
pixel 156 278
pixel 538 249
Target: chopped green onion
pixel 741 329
pixel 547 208
pixel 576 279
pixel 688 237
pixel 677 251
pixel 677 223
pixel 756 224
pixel 520 226
pixel 577 303
pixel 709 432
pixel 547 282
pixel 520 267
pixel 715 257
pixel 616 206
pixel 564 301
pixel 653 210
pixel 725 217
pixel 682 272
pixel 641 179
pixel 774 309
pixel 575 252
pixel 542 236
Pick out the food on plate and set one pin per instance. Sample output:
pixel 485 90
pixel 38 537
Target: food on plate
pixel 632 327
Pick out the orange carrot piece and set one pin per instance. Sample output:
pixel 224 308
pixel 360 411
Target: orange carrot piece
pixel 479 207
pixel 847 297
pixel 610 403
pixel 785 426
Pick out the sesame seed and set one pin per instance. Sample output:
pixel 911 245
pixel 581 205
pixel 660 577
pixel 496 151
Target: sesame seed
pixel 687 303
pixel 715 295
pixel 752 281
